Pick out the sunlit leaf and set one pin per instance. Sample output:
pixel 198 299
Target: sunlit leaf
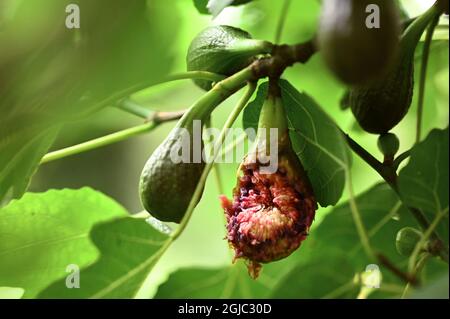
pixel 42 233
pixel 129 249
pixel 11 293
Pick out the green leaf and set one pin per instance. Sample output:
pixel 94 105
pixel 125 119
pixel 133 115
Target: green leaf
pixel 11 293
pixel 21 158
pixel 73 73
pixel 201 6
pixel 438 289
pixel 382 215
pixel 41 234
pixel 129 249
pixel 316 139
pixel 423 183
pixel 318 278
pixel 224 283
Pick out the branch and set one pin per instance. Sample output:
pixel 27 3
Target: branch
pixel 423 75
pixel 157 119
pixel 282 20
pixel 389 174
pixel 398 272
pixel 282 57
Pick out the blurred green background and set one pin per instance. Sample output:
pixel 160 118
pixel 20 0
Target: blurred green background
pixel 115 169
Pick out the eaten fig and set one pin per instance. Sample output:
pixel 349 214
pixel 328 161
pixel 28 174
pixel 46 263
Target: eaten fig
pixel 359 38
pixel 224 50
pixel 271 212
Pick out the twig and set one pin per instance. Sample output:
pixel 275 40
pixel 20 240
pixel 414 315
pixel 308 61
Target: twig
pixel 388 173
pixel 283 56
pixel 282 20
pixel 158 118
pixel 134 108
pixel 423 75
pixel 399 273
pixel 400 159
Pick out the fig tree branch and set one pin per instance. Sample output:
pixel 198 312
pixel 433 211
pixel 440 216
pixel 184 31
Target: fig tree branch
pixel 156 119
pixel 282 57
pixel 389 174
pixel 134 108
pixel 423 75
pixel 282 20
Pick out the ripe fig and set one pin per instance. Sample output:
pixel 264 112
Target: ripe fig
pixel 406 240
pixel 381 105
pixel 271 212
pixel 168 181
pixel 224 50
pixel 359 38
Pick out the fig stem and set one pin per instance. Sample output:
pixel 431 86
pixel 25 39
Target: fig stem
pixel 426 235
pixel 356 214
pixel 389 174
pixel 112 99
pixel 134 108
pixel 111 138
pixel 401 158
pixel 364 237
pixel 423 75
pixel 251 87
pixel 208 102
pixel 282 20
pixel 216 168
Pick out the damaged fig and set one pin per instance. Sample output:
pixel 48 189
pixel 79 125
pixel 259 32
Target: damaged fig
pixel 272 209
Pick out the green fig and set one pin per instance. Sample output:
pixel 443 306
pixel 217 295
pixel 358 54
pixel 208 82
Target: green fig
pixel 406 240
pixel 224 50
pixel 359 38
pixel 381 105
pixel 388 145
pixel 171 174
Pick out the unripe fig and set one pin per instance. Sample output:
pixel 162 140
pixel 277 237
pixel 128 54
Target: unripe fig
pixel 388 144
pixel 224 50
pixel 167 181
pixel 271 212
pixel 359 38
pixel 406 240
pixel 381 105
